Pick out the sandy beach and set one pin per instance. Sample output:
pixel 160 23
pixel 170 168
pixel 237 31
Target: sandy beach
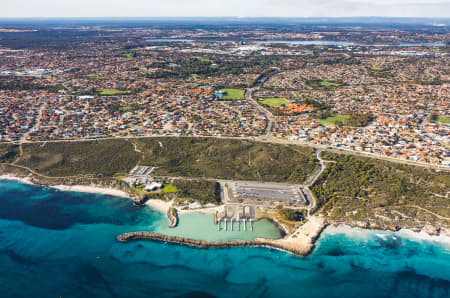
pixel 93 189
pixel 159 205
pixel 303 238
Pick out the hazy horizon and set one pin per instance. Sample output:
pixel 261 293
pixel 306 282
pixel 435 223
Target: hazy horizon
pixel 230 8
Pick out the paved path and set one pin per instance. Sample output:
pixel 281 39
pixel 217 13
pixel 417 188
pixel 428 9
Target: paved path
pixel 269 116
pixel 44 176
pixel 25 135
pixel 36 125
pixel 321 169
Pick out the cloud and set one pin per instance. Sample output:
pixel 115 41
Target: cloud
pixel 251 8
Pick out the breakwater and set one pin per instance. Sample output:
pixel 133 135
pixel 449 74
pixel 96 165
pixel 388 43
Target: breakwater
pixel 258 242
pixel 172 216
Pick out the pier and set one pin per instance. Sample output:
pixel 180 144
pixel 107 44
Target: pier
pixel 247 215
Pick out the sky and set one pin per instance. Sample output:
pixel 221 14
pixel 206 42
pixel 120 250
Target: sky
pixel 217 8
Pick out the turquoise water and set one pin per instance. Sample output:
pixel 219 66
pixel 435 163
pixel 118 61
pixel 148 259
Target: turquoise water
pixel 55 243
pixel 201 226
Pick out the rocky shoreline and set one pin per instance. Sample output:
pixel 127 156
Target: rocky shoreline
pixel 428 229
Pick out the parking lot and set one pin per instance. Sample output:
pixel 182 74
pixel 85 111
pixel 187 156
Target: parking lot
pixel 142 171
pixel 265 192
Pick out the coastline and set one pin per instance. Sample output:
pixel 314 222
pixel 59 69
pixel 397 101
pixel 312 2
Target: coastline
pixel 423 235
pixel 301 240
pixel 427 231
pixel 93 189
pixel 26 180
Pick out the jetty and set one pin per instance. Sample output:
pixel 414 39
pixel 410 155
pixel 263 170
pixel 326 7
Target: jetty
pixel 247 215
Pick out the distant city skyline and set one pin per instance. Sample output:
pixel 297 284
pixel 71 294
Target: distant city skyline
pixel 220 8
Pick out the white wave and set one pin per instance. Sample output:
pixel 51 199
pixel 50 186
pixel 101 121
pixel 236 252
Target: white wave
pixel 422 235
pixel 14 178
pixel 360 233
pixel 384 237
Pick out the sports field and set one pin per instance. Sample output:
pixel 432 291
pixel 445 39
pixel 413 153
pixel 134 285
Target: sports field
pixel 445 120
pixel 112 92
pixel 332 120
pixel 233 94
pixel 274 102
pixel 329 84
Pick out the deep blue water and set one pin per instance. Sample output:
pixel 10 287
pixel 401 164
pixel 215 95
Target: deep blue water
pixel 62 244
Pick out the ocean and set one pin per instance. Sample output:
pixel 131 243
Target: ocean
pixel 63 244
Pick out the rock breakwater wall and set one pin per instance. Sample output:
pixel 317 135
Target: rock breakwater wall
pixel 258 242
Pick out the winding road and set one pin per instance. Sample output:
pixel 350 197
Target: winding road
pixel 249 97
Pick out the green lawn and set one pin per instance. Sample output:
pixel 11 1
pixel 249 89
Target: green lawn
pixel 443 119
pixel 125 109
pixel 375 68
pixel 112 92
pixel 202 59
pixel 168 188
pixel 95 77
pixel 329 84
pixel 127 54
pixel 233 94
pixel 274 102
pixel 316 83
pixel 332 120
